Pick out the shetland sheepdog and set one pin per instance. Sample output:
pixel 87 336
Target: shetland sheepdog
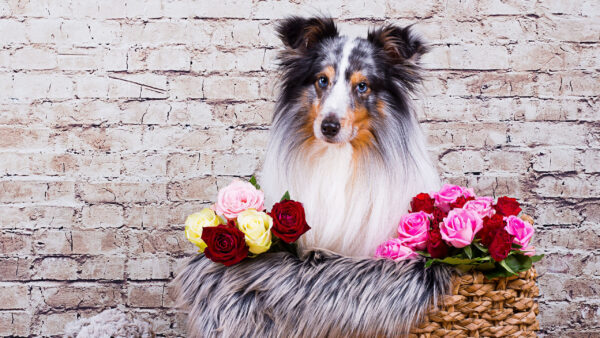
pixel 345 140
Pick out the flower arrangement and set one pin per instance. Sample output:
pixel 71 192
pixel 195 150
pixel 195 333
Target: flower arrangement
pixel 237 226
pixel 454 226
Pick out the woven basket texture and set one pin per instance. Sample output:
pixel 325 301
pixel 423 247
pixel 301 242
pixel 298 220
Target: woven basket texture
pixel 478 307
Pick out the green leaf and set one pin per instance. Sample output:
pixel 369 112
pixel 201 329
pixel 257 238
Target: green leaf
pixel 456 261
pixel 464 268
pixel 468 251
pixel 536 258
pixel 519 262
pixel 498 272
pixel 429 262
pixel 507 267
pixel 480 247
pixel 486 266
pixel 285 196
pixel 516 246
pixel 423 253
pixel 253 182
pixel 524 262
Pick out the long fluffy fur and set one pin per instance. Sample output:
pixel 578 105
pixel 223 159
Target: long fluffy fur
pixel 323 295
pixel 353 197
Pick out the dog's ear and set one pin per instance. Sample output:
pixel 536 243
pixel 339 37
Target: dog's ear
pixel 399 44
pixel 305 33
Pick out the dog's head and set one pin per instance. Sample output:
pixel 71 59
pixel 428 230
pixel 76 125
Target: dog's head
pixel 344 87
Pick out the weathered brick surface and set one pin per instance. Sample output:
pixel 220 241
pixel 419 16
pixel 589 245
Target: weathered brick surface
pixel 119 118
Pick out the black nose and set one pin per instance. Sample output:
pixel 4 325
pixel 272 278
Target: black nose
pixel 330 127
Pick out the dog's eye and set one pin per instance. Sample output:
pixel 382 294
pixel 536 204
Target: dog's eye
pixel 323 81
pixel 362 87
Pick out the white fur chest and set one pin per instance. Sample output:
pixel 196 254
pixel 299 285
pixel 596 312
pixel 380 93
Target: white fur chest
pixel 350 212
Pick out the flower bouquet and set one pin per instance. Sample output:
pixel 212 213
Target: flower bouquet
pixel 454 226
pixel 237 226
pixel 325 294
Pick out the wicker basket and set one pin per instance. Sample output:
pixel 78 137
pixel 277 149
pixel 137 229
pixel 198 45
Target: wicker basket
pixel 479 307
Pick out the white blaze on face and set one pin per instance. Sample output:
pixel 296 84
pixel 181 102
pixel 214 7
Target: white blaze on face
pixel 337 103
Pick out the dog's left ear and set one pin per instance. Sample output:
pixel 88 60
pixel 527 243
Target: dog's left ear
pixel 304 33
pixel 400 45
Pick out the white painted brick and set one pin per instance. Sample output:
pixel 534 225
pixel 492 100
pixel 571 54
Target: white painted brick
pixel 74 32
pixel 236 164
pixel 43 30
pixel 555 159
pixel 477 57
pixel 169 59
pixel 77 60
pixel 36 86
pixel 16 29
pixel 118 118
pixel 115 59
pixel 591 160
pixel 219 87
pixel 221 9
pixel 187 87
pixel 105 32
pixel 92 87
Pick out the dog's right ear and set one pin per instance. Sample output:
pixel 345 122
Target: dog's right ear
pixel 302 33
pixel 399 44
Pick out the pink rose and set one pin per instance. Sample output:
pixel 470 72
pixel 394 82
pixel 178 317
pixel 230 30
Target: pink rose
pixel 237 197
pixel 412 230
pixel 482 206
pixel 528 250
pixel 395 249
pixel 523 231
pixel 449 193
pixel 460 226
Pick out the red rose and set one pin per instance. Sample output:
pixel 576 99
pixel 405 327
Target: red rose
pixel 438 216
pixel 289 222
pixel 224 244
pixel 460 202
pixel 422 202
pixel 501 245
pixel 436 247
pixel 490 227
pixel 507 206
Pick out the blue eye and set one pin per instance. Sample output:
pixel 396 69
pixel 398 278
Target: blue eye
pixel 322 81
pixel 362 87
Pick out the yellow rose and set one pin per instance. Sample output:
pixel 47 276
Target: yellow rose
pixel 194 224
pixel 257 228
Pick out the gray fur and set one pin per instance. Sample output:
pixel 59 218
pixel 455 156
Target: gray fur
pixel 323 295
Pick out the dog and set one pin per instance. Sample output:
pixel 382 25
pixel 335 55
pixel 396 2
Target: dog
pixel 345 140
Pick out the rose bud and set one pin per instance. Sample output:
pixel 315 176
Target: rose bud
pixel 436 247
pixel 523 231
pixel 256 226
pixel 289 221
pixel 460 226
pixel 501 245
pixel 491 225
pixel 422 202
pixel 507 206
pixel 396 250
pixel 237 197
pixel 412 230
pixel 224 244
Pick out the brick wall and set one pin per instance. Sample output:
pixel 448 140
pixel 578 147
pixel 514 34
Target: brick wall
pixel 119 118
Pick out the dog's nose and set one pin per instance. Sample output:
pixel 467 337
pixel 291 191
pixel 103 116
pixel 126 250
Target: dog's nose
pixel 330 127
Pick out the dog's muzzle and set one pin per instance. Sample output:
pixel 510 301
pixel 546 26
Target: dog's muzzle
pixel 330 127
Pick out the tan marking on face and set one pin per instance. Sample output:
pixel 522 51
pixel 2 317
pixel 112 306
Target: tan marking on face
pixel 329 73
pixel 361 122
pixel 313 109
pixel 356 78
